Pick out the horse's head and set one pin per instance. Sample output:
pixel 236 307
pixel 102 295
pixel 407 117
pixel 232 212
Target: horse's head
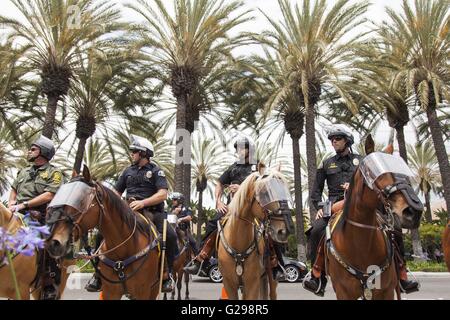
pixel 75 206
pixel 388 176
pixel 271 199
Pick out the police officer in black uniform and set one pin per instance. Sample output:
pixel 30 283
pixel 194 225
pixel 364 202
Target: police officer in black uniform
pixel 231 178
pixel 146 190
pixel 184 216
pixel 337 171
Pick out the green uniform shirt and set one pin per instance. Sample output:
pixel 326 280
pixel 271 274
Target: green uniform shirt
pixel 32 182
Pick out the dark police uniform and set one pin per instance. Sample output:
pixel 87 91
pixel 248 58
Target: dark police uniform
pixel 235 174
pixel 141 183
pixel 186 227
pixel 336 171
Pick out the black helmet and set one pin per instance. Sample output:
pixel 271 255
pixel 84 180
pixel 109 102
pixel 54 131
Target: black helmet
pixel 243 141
pixel 338 130
pixel 47 147
pixel 178 196
pixel 142 144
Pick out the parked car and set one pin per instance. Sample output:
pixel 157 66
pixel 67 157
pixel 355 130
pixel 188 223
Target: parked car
pixel 295 270
pixel 211 271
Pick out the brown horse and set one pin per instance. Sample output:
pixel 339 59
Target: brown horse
pixel 446 245
pixel 25 267
pixel 242 245
pixel 129 257
pixel 181 260
pixel 359 250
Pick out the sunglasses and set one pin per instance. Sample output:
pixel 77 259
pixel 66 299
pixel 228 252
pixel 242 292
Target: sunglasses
pixel 135 151
pixel 337 138
pixel 33 149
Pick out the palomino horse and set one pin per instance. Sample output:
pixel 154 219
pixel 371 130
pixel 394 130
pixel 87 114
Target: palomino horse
pixel 446 245
pixel 242 248
pixel 359 250
pixel 129 254
pixel 25 267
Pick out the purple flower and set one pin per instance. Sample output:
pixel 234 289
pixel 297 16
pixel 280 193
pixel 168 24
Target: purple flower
pixel 25 241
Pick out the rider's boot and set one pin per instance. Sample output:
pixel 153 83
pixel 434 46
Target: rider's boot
pixel 407 286
pixel 50 279
pixel 95 284
pixel 316 280
pixel 168 283
pixel 195 265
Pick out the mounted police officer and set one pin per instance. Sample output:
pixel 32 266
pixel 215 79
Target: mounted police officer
pixel 146 190
pixel 231 178
pixel 337 171
pixel 32 190
pixel 184 216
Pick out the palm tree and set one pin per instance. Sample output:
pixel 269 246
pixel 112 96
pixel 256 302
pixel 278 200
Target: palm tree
pixel 423 33
pixel 94 97
pixel 422 158
pixel 55 34
pixel 208 164
pixel 313 42
pixel 187 46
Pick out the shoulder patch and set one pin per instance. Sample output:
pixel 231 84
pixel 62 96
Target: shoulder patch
pixel 332 166
pixel 254 167
pixel 356 161
pixel 44 174
pixel 161 173
pixel 57 177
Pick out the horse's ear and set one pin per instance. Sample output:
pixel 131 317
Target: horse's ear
pixel 389 149
pixel 86 173
pixel 278 167
pixel 369 145
pixel 74 173
pixel 261 167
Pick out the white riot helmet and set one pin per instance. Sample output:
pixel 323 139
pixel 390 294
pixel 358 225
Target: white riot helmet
pixel 141 144
pixel 340 130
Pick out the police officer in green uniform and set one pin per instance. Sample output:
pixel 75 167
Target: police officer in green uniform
pixel 32 190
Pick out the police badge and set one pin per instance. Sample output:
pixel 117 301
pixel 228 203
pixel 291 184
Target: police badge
pixel 148 174
pixel 356 161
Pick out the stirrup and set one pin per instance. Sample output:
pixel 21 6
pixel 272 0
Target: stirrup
pixel 192 262
pixel 308 277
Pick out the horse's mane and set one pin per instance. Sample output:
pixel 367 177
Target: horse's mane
pixel 125 213
pixel 345 213
pixel 242 196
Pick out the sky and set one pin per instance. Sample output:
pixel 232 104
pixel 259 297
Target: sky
pixel 376 13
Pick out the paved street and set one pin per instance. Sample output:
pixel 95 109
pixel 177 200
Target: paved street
pixel 433 286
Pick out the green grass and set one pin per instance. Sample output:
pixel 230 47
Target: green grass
pixel 427 266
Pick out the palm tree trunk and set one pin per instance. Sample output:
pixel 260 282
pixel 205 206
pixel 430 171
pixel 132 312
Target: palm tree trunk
pixel 415 235
pixel 187 182
pixel 180 142
pixel 311 155
pixel 50 115
pixel 428 214
pixel 441 153
pixel 301 242
pixel 401 143
pixel 199 217
pixel 79 155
